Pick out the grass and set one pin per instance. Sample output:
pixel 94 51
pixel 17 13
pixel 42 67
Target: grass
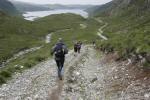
pixel 128 34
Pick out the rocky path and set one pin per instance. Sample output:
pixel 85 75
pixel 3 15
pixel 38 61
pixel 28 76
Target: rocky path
pixel 87 76
pixel 100 30
pixel 36 83
pixel 99 77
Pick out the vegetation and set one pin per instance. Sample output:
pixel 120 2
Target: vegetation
pixel 128 28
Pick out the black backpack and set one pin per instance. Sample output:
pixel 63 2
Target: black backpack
pixel 59 50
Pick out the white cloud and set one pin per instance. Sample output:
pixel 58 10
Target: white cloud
pixel 96 2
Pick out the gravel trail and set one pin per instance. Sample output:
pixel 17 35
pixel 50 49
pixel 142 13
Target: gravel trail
pixel 35 83
pixel 87 76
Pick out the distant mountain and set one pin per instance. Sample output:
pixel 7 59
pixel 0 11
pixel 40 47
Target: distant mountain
pixel 7 7
pixel 59 6
pixel 23 6
pixel 119 7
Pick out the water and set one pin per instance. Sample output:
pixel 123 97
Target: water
pixel 38 14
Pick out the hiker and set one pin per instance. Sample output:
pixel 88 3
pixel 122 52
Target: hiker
pixel 79 44
pixel 94 44
pixel 75 48
pixel 59 51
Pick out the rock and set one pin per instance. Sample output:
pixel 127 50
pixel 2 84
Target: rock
pixel 71 80
pixel 17 98
pixel 69 89
pixel 21 67
pixel 127 74
pixel 36 97
pixel 80 98
pixel 29 98
pixel 16 65
pixel 116 77
pixel 147 95
pixel 77 73
pixel 94 79
pixel 145 78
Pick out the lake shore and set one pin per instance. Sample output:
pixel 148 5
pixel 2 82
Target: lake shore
pixel 31 16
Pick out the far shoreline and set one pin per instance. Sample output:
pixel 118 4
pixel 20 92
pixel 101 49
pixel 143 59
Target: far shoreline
pixel 32 15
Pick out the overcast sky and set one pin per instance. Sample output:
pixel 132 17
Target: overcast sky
pixel 95 2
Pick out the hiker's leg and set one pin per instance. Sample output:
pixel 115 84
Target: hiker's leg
pixel 75 51
pixel 62 62
pixel 59 67
pixel 62 65
pixel 79 50
pixel 57 63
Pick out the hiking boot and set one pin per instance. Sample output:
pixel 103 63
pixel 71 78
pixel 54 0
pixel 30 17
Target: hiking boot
pixel 60 77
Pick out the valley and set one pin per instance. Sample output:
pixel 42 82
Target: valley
pixel 117 68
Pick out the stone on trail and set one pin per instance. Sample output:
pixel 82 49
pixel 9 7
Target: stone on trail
pixel 147 95
pixel 77 73
pixel 94 79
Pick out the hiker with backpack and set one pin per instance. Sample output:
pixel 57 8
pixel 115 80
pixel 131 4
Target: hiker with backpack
pixel 75 48
pixel 79 44
pixel 94 43
pixel 59 51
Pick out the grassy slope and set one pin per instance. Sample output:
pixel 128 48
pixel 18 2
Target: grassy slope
pixel 35 32
pixel 128 30
pixel 15 32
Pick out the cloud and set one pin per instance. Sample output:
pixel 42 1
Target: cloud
pixel 96 2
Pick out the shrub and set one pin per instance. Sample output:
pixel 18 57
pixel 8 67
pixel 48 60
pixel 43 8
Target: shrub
pixel 146 65
pixel 29 64
pixel 39 58
pixel 2 80
pixel 5 74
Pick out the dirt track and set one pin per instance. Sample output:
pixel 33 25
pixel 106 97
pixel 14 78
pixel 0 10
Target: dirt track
pixel 87 76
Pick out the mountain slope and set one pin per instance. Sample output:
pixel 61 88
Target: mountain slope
pixel 23 6
pixel 59 6
pixel 128 28
pixel 7 7
pixel 118 7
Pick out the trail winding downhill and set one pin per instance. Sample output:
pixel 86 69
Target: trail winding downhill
pixel 87 76
pixel 100 30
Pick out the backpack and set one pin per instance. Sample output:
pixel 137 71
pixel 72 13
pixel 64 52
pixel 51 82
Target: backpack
pixel 59 51
pixel 75 46
pixel 78 46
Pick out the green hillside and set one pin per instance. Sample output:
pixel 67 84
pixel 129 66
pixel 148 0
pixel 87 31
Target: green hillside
pixel 128 28
pixel 16 31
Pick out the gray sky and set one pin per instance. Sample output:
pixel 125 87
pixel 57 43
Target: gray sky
pixel 95 2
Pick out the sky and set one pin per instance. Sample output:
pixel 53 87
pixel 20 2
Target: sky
pixel 93 2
